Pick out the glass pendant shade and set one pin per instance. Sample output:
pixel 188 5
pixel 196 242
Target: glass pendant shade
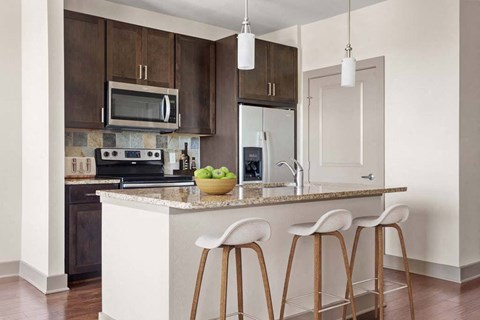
pixel 349 66
pixel 246 51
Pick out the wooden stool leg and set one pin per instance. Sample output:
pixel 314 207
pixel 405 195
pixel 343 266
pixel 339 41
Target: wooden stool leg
pixel 407 270
pixel 352 263
pixel 238 258
pixel 198 285
pixel 347 272
pixel 223 291
pixel 287 276
pixel 376 274
pixel 317 271
pixel 379 230
pixel 266 284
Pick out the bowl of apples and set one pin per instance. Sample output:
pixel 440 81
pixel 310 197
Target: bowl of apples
pixel 215 181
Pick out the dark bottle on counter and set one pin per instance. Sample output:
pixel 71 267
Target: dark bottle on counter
pixel 186 160
pixel 193 165
pixel 181 161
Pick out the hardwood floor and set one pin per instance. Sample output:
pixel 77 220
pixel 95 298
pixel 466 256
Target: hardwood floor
pixel 434 299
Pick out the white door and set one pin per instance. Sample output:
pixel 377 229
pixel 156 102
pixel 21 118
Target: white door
pixel 345 126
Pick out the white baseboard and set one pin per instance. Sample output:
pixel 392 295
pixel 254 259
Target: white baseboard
pixel 46 284
pixel 435 270
pixel 9 269
pixel 104 316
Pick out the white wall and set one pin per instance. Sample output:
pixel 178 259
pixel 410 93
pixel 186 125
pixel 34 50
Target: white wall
pixel 10 131
pixel 469 132
pixel 42 138
pixel 420 42
pixel 147 18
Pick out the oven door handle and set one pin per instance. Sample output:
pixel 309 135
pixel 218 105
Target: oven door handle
pixel 130 185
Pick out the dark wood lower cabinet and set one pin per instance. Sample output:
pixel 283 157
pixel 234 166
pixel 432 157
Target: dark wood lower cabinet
pixel 83 231
pixel 85 238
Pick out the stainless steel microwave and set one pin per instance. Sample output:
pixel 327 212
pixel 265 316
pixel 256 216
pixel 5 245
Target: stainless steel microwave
pixel 142 107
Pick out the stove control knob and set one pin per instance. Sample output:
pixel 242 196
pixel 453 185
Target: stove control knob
pixel 106 154
pixel 150 153
pixel 114 153
pixel 157 154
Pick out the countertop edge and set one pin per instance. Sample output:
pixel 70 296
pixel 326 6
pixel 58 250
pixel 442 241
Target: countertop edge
pixel 250 202
pixel 90 181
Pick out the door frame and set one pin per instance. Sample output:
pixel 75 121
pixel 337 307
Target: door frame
pixel 372 63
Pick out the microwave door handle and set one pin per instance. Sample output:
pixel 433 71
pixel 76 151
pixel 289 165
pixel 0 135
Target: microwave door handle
pixel 167 100
pixel 162 109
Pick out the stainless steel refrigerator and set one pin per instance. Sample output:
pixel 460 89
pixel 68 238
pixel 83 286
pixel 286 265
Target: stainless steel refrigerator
pixel 267 135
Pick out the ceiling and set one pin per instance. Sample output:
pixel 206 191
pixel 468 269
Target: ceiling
pixel 265 15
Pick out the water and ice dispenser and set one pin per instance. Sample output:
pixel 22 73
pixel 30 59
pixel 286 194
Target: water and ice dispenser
pixel 252 164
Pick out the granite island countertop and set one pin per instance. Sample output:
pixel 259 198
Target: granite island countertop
pixel 248 195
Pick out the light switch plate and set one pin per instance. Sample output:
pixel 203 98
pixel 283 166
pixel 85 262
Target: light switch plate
pixel 80 167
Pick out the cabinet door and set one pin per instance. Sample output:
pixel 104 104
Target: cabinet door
pixel 195 80
pixel 84 238
pixel 124 52
pixel 158 57
pixel 84 90
pixel 283 73
pixel 253 84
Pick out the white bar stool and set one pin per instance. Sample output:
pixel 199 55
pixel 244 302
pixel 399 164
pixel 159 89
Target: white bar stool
pixel 390 218
pixel 240 235
pixel 328 225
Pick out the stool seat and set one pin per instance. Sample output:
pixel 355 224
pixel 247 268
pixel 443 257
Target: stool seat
pixel 241 232
pixel 394 214
pixel 331 221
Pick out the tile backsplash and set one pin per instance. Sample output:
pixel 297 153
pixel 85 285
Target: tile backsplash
pixel 82 143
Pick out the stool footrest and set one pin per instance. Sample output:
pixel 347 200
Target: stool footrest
pixel 400 284
pixel 246 315
pixel 333 305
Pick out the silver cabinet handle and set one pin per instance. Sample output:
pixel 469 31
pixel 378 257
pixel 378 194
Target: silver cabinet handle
pixel 146 73
pixel 179 120
pixel 269 88
pixel 140 77
pixel 103 116
pixel 91 195
pixel 370 177
pixel 274 85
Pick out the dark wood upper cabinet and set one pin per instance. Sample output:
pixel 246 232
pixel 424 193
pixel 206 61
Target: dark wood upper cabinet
pixel 274 78
pixel 253 84
pixel 84 38
pixel 140 55
pixel 195 80
pixel 158 58
pixel 124 52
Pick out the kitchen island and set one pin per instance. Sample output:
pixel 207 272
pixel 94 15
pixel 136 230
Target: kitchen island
pixel 150 261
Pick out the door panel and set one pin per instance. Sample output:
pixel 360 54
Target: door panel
pixel 84 50
pixel 279 126
pixel 124 52
pixel 283 73
pixel 253 84
pixel 346 128
pixel 158 57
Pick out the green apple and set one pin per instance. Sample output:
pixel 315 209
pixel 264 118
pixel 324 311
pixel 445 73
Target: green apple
pixel 225 169
pixel 231 175
pixel 218 174
pixel 203 174
pixel 209 168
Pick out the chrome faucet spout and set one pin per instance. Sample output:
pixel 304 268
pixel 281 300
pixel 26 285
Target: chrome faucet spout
pixel 297 174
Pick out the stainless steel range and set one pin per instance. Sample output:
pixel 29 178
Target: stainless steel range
pixel 137 168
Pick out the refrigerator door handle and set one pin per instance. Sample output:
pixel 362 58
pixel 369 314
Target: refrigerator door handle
pixel 265 156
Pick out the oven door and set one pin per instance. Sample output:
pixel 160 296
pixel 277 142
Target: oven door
pixel 142 107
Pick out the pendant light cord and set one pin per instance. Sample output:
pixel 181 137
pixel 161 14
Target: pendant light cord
pixel 246 11
pixel 349 18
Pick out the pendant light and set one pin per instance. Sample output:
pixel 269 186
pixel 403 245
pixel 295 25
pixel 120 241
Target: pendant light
pixel 246 45
pixel 349 64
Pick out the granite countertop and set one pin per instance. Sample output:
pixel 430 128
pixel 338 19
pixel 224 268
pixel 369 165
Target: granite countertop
pixel 248 195
pixel 82 181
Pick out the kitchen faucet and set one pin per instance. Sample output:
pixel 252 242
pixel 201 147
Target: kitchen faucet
pixel 297 174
